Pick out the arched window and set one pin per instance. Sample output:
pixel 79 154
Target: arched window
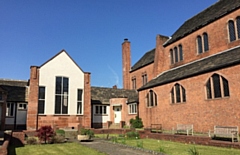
pixel 171 56
pixel 151 99
pixel 178 94
pixel 180 52
pixel 199 43
pixel 238 27
pixel 231 29
pixel 217 87
pixel 205 41
pixel 176 54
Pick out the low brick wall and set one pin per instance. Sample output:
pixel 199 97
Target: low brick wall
pixel 200 140
pixel 17 138
pixel 111 131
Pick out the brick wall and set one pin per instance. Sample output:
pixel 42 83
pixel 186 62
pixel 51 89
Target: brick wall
pixel 86 121
pixel 203 113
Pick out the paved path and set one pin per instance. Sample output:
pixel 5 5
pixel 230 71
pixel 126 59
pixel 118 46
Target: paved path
pixel 115 149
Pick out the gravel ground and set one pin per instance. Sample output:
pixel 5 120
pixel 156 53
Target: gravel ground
pixel 116 149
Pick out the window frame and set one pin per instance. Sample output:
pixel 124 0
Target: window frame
pixel 61 95
pixel 232 31
pixel 178 94
pixel 132 108
pixel 217 87
pixel 100 110
pixel 176 54
pixel 151 99
pixel 134 83
pixel 79 101
pixel 10 109
pixel 22 106
pixel 144 78
pixel 41 99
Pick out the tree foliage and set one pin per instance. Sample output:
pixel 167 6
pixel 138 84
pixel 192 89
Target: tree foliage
pixel 136 123
pixel 45 133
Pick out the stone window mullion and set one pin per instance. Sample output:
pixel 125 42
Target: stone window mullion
pixel 221 86
pixel 211 85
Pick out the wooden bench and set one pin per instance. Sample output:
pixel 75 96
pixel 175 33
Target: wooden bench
pixel 225 132
pixel 157 128
pixel 184 128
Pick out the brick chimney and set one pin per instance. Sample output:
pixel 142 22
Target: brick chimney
pixel 159 55
pixel 114 87
pixel 33 99
pixel 126 63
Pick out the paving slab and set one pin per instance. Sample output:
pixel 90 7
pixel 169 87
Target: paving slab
pixel 116 149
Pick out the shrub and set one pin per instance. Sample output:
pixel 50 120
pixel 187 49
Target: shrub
pixel 60 132
pixel 32 141
pixel 88 132
pixel 136 123
pixel 45 133
pixel 58 139
pixel 132 134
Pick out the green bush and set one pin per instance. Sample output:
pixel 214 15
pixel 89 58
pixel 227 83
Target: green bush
pixel 140 143
pixel 88 132
pixel 136 123
pixel 32 140
pixel 60 132
pixel 133 134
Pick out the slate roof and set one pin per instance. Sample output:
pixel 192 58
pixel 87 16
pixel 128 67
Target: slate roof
pixel 17 90
pixel 215 62
pixel 16 93
pixel 101 95
pixel 211 14
pixel 147 59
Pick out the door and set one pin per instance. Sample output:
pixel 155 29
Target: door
pixel 117 114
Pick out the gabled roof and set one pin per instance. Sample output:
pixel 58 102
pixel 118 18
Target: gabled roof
pixel 212 63
pixel 62 51
pixel 211 14
pixel 147 59
pixel 101 95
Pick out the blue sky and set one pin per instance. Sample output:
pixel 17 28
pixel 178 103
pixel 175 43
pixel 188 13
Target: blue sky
pixel 91 31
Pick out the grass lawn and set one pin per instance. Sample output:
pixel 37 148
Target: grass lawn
pixel 174 148
pixel 49 149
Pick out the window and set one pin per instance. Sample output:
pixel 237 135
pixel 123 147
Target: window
pixel 144 78
pixel 231 29
pixel 202 43
pixel 178 94
pixel 61 97
pixel 1 96
pixel 217 87
pixel 134 83
pixel 132 108
pixel 199 41
pixel 22 106
pixel 151 99
pixel 205 41
pixel 41 100
pixel 101 109
pixel 79 102
pixel 238 27
pixel 10 109
pixel 176 54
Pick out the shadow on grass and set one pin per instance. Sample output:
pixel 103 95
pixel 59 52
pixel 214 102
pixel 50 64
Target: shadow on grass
pixel 14 143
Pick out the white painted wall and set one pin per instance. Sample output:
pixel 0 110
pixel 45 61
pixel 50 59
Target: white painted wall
pixel 101 118
pixel 61 65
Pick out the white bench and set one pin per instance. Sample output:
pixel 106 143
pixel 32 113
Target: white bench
pixel 185 128
pixel 226 132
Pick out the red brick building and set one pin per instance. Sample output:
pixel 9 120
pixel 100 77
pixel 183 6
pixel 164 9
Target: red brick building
pixel 191 77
